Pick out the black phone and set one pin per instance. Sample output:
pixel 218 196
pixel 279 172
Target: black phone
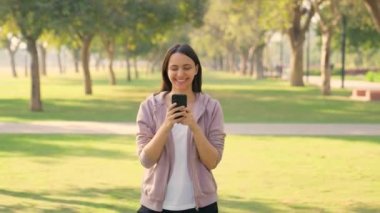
pixel 180 99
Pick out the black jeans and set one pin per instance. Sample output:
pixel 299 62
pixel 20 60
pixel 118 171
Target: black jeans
pixel 212 208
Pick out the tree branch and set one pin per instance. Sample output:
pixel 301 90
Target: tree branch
pixel 373 7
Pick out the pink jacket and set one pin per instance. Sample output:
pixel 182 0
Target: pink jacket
pixel 209 116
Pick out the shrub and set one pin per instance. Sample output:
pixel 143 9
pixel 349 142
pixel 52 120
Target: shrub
pixel 373 76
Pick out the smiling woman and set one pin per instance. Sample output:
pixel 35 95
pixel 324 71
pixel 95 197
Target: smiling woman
pixel 180 145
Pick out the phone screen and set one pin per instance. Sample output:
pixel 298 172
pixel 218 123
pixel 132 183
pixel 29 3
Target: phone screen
pixel 180 99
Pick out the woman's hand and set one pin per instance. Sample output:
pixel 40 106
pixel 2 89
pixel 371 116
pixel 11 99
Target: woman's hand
pixel 152 151
pixel 188 118
pixel 174 115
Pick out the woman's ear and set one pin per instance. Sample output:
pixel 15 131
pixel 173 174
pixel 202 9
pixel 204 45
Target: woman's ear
pixel 196 69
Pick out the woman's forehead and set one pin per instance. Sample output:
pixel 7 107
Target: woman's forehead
pixel 179 58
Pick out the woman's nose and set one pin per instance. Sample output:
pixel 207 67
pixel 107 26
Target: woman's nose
pixel 180 72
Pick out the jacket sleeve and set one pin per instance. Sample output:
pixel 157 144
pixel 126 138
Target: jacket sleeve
pixel 216 133
pixel 145 132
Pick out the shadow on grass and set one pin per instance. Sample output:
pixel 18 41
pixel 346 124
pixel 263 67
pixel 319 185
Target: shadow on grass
pixel 238 203
pixel 289 106
pixel 353 139
pixel 273 206
pixel 12 208
pixel 362 208
pixel 71 110
pixel 60 146
pixel 24 208
pixel 75 202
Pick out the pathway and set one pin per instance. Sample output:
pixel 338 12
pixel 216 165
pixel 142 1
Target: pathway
pixel 74 127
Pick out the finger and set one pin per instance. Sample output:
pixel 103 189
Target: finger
pixel 179 114
pixel 176 109
pixel 172 106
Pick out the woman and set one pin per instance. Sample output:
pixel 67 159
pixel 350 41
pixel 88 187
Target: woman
pixel 179 146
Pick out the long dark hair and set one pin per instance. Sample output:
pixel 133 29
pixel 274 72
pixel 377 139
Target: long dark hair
pixel 188 51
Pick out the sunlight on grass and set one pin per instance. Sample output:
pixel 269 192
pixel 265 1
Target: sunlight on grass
pixel 74 173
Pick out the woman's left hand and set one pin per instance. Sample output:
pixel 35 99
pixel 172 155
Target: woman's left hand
pixel 188 118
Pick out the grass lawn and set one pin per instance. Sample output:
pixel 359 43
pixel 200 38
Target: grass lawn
pixel 77 173
pixel 242 99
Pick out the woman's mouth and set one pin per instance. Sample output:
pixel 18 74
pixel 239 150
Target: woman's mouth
pixel 181 81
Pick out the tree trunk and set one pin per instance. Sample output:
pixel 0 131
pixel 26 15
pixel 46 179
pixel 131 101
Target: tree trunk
pixel 59 60
pixel 110 51
pixel 86 42
pixel 13 64
pixel 128 65
pixel 296 62
pixel 135 67
pixel 243 62
pixel 258 62
pixel 12 57
pixel 325 62
pixel 250 60
pixel 63 61
pixel 296 34
pixel 35 101
pixel 43 59
pixel 76 57
pixel 26 65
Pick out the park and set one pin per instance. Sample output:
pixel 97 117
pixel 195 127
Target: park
pixel 66 69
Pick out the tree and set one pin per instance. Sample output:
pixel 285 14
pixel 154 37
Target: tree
pixel 152 26
pixel 329 17
pixel 373 7
pixel 119 18
pixel 81 18
pixel 296 33
pixel 32 17
pixel 11 42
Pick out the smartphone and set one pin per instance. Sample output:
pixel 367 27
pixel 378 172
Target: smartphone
pixel 180 99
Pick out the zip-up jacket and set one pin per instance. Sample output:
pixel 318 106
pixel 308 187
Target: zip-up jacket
pixel 209 116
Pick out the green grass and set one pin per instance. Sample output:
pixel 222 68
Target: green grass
pixel 242 99
pixel 74 173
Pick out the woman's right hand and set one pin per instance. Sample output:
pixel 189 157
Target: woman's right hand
pixel 174 115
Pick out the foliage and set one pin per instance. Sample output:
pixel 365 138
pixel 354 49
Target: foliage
pixel 362 39
pixel 79 17
pixel 373 76
pixel 31 17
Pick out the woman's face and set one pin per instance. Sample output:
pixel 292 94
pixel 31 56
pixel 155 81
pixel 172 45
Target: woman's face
pixel 181 72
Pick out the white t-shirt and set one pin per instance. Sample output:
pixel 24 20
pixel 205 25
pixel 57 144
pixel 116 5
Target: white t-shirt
pixel 179 193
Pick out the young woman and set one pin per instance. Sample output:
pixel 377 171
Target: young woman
pixel 179 146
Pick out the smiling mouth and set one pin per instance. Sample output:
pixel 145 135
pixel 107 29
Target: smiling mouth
pixel 182 81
